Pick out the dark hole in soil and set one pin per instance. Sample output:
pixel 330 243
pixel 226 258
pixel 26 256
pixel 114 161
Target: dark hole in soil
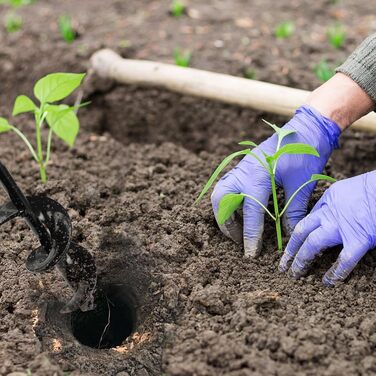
pixel 112 321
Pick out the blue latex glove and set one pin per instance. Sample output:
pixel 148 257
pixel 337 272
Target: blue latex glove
pixel 345 214
pixel 250 177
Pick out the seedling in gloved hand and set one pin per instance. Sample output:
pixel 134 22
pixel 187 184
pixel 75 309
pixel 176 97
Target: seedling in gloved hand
pixel 232 201
pixel 61 118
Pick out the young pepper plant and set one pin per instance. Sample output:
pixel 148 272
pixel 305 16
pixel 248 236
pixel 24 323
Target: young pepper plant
pixel 231 202
pixel 61 119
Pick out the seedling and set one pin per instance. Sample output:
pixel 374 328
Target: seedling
pixel 177 8
pixel 249 73
pixel 230 202
pixel 323 71
pixel 13 23
pixel 17 3
pixel 182 58
pixel 66 29
pixel 61 119
pixel 336 35
pixel 284 30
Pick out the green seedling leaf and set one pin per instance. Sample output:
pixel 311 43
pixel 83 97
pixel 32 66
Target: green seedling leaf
pixel 275 127
pixel 282 133
pixel 57 86
pixel 23 104
pixel 248 143
pixel 66 29
pixel 61 111
pixel 64 124
pixel 315 177
pixel 177 8
pixel 182 58
pixel 219 169
pixel 295 149
pixel 4 125
pixel 13 23
pixel 227 206
pixel 323 71
pixel 336 35
pixel 284 30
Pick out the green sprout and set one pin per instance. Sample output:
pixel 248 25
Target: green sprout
pixel 323 71
pixel 182 58
pixel 66 29
pixel 249 73
pixel 60 118
pixel 13 23
pixel 231 202
pixel 336 35
pixel 284 30
pixel 177 8
pixel 16 3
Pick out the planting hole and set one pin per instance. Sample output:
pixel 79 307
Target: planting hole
pixel 112 321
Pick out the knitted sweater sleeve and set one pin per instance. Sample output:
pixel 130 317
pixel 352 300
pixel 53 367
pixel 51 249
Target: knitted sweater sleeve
pixel 361 66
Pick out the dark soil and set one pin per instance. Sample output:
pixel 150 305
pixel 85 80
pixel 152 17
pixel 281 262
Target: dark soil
pixel 195 305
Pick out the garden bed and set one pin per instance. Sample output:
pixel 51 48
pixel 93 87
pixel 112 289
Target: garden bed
pixel 194 304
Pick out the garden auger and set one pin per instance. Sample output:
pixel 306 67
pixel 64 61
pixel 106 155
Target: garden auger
pixel 51 223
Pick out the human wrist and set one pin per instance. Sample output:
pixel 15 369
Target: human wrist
pixel 341 100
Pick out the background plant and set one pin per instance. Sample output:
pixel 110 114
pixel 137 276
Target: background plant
pixel 60 118
pixel 323 71
pixel 182 58
pixel 177 8
pixel 336 35
pixel 13 21
pixel 66 29
pixel 284 30
pixel 231 202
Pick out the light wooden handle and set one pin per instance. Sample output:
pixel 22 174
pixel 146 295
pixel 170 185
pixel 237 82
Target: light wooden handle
pixel 258 95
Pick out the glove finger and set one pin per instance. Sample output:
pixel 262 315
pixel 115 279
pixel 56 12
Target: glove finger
pixel 346 262
pixel 253 217
pixel 232 228
pixel 297 209
pixel 299 235
pixel 316 242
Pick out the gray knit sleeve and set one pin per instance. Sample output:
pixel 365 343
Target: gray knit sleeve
pixel 361 66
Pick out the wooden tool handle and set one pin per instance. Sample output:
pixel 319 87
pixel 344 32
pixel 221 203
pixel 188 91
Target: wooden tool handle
pixel 258 95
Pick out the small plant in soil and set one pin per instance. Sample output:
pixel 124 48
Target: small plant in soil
pixel 284 30
pixel 336 35
pixel 66 29
pixel 249 73
pixel 182 58
pixel 323 71
pixel 60 118
pixel 13 23
pixel 231 202
pixel 177 8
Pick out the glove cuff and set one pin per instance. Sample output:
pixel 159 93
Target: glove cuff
pixel 327 126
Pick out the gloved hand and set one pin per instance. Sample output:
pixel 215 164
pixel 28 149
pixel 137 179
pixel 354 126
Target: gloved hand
pixel 345 214
pixel 251 178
